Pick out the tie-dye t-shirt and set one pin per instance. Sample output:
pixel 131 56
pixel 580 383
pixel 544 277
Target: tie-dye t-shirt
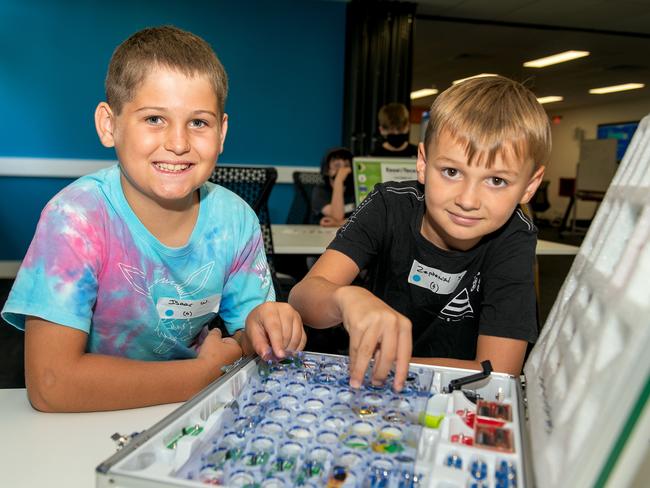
pixel 93 266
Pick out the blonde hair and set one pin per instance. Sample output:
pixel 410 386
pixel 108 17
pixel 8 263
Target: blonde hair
pixel 491 115
pixel 165 46
pixel 393 116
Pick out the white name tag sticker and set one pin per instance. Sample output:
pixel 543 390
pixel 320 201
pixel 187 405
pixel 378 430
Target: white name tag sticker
pixel 177 308
pixel 434 279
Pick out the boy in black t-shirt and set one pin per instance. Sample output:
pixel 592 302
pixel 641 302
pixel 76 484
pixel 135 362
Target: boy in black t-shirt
pixel 394 127
pixel 450 255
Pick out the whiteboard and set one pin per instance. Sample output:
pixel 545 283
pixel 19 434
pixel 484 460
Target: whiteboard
pixel 597 164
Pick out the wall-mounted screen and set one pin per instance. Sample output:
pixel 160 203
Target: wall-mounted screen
pixel 622 131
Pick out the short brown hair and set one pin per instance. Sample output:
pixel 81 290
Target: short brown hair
pixel 165 46
pixel 393 116
pixel 486 113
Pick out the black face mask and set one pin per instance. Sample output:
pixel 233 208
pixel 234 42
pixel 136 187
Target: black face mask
pixel 396 140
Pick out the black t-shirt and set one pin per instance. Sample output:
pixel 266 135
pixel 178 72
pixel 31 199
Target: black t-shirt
pixel 450 296
pixel 410 151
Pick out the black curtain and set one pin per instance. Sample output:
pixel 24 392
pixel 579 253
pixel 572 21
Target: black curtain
pixel 378 64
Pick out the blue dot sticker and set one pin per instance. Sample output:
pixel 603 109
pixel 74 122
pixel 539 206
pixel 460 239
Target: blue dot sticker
pixel 169 312
pixel 417 277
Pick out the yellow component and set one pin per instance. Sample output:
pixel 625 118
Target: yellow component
pixel 430 421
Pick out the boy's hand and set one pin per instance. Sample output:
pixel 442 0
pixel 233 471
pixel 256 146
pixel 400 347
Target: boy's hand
pixel 218 351
pixel 277 327
pixel 342 174
pixel 376 330
pixel 331 222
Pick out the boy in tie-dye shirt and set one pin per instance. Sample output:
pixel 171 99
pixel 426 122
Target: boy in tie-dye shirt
pixel 130 264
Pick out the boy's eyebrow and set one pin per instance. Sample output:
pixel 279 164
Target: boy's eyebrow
pixel 163 109
pixel 505 171
pixel 451 160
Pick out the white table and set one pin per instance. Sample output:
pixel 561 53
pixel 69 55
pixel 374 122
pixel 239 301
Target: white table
pixel 313 239
pixel 61 449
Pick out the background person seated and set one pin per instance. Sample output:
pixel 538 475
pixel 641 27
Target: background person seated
pixel 333 201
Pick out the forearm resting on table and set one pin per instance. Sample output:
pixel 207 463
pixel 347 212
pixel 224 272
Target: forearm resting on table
pixel 506 356
pixel 61 377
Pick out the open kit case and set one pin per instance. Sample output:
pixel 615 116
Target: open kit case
pixel 578 417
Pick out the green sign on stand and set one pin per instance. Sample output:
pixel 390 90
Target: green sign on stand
pixel 369 171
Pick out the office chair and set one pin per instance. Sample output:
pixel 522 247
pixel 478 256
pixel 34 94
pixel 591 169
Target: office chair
pixel 304 183
pixel 254 185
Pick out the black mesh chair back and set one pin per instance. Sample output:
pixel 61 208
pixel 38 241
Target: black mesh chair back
pixel 304 183
pixel 253 185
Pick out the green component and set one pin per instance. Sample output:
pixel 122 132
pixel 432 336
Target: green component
pixel 263 369
pixel 234 453
pixel 394 447
pixel 257 459
pixel 430 421
pixel 357 445
pixel 193 430
pixel 282 465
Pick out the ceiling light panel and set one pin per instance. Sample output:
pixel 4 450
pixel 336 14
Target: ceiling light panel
pixel 556 59
pixel 616 88
pixel 424 92
pixel 550 99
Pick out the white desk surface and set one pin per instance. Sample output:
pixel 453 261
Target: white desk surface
pixel 313 239
pixel 61 449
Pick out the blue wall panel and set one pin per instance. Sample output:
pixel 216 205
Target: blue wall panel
pixel 284 60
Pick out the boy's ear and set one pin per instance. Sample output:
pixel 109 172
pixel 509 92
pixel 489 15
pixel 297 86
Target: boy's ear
pixel 421 165
pixel 533 184
pixel 105 124
pixel 224 130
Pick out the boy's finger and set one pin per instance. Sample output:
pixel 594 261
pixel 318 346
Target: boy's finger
pixel 230 340
pixel 388 352
pixel 297 332
pixel 364 353
pixel 404 350
pixel 259 340
pixel 355 340
pixel 287 330
pixel 273 329
pixel 303 340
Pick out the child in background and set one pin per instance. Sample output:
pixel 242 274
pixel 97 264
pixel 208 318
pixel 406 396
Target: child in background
pixel 394 127
pixel 128 265
pixel 450 255
pixel 333 201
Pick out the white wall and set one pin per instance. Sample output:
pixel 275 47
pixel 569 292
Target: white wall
pixel 566 145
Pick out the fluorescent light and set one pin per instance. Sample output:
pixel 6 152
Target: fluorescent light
pixel 424 92
pixel 550 99
pixel 482 75
pixel 616 88
pixel 555 59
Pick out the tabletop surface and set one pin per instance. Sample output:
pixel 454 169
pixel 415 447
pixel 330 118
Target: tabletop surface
pixel 61 449
pixel 313 239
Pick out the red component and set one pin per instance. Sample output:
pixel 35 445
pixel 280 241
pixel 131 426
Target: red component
pixel 462 439
pixel 489 421
pixel 470 418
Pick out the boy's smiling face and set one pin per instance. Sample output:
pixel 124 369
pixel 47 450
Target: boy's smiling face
pixel 167 138
pixel 465 202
